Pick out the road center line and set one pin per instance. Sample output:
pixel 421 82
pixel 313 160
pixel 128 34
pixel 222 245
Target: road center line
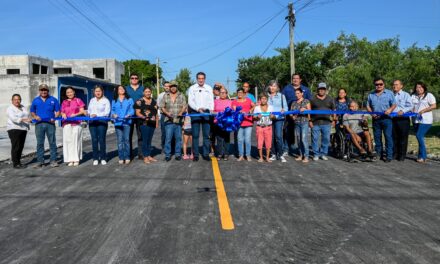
pixel 223 204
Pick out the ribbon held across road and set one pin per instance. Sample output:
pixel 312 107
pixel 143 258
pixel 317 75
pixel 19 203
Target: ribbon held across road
pixel 230 120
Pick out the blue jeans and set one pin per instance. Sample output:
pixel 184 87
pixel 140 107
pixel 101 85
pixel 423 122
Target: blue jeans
pixel 48 130
pixel 244 141
pixel 147 137
pixel 277 137
pixel 123 135
pixel 385 126
pixel 302 138
pixel 173 131
pixel 98 133
pixel 421 130
pixel 162 131
pixel 290 145
pixel 324 132
pixel 195 127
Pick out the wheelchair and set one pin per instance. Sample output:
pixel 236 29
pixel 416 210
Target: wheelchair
pixel 343 147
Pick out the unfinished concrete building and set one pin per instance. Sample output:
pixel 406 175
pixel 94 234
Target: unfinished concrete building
pixel 23 74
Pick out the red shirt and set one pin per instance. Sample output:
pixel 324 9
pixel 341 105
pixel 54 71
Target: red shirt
pixel 246 106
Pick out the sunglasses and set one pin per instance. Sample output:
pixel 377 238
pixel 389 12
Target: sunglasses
pixel 379 84
pixel 134 78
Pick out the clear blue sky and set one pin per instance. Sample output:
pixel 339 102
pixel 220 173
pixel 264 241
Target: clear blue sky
pixel 170 29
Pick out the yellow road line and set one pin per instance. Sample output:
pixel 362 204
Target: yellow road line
pixel 223 204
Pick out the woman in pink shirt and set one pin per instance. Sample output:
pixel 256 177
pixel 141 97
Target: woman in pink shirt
pixel 245 132
pixel 72 130
pixel 223 137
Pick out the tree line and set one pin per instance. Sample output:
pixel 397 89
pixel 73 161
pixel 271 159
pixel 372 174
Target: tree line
pixel 348 62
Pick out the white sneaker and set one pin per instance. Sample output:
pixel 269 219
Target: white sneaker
pixel 70 164
pixel 315 158
pixel 103 162
pixel 273 157
pixel 285 154
pixel 121 162
pixel 283 159
pixel 95 162
pixel 324 158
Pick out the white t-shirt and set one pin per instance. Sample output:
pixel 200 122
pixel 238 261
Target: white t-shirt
pixel 265 119
pixel 421 103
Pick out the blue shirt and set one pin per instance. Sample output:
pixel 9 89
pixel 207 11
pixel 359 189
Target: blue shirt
pixel 135 95
pixel 403 101
pixel 345 106
pixel 122 109
pixel 289 93
pixel 381 103
pixel 278 102
pixel 45 109
pixel 252 97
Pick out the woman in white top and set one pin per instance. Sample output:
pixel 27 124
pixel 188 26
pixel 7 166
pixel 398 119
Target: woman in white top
pixel 423 103
pixel 17 127
pixel 99 106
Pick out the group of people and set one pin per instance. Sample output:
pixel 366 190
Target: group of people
pixel 133 108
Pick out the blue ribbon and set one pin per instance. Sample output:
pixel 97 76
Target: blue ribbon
pixel 84 118
pixel 230 120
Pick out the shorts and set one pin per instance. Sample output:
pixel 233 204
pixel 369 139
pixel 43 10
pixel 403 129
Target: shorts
pixel 187 132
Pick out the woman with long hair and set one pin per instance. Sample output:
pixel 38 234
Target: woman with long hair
pixel 146 109
pixel 423 102
pixel 122 110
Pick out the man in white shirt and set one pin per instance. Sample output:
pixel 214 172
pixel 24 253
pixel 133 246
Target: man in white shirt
pixel 401 124
pixel 200 100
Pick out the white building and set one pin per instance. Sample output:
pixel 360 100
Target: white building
pixel 22 74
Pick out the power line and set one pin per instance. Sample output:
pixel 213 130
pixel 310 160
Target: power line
pixel 94 7
pixel 273 40
pixel 238 43
pixel 218 43
pixel 101 29
pixel 62 9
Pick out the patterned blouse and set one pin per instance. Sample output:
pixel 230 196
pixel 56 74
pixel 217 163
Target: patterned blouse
pixel 297 106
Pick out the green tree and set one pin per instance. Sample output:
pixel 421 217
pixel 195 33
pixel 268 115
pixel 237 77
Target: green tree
pixel 145 70
pixel 184 80
pixel 348 62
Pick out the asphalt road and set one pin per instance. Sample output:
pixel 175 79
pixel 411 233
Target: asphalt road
pixel 323 212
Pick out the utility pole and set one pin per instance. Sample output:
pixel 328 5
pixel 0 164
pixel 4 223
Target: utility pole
pixel 157 77
pixel 291 18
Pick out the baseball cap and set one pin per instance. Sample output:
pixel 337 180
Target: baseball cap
pixel 322 85
pixel 43 87
pixel 173 83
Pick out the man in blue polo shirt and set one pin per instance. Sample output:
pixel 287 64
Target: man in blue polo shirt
pixel 382 100
pixel 289 93
pixel 44 109
pixel 135 91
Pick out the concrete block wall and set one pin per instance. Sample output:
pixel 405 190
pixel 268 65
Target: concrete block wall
pixel 84 67
pixel 23 63
pixel 26 86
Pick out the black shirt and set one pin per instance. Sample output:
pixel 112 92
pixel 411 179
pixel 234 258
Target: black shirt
pixel 147 110
pixel 326 104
